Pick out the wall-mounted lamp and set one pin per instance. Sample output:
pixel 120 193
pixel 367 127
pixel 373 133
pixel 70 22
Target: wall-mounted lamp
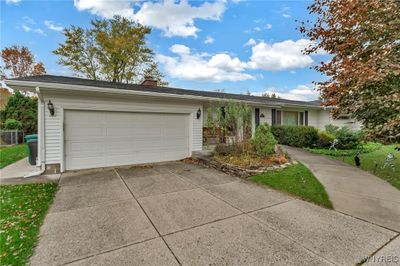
pixel 262 115
pixel 198 114
pixel 50 106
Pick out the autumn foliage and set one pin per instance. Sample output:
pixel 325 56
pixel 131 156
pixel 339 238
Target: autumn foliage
pixel 363 38
pixel 21 62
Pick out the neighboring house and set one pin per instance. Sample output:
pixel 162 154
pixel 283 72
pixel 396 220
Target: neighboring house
pixel 100 124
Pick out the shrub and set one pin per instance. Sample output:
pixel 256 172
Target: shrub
pixel 348 139
pixel 331 129
pixel 296 136
pixel 264 141
pixel 12 124
pixel 22 108
pixel 325 139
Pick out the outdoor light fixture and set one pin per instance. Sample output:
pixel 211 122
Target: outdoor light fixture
pixel 262 115
pixel 198 114
pixel 50 106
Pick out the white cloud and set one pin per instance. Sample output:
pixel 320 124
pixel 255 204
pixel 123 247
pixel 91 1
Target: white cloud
pixel 52 26
pixel 29 29
pixel 39 31
pixel 268 26
pixel 300 93
pixel 250 42
pixel 177 19
pixel 209 40
pixel 106 8
pixel 28 20
pixel 173 18
pixel 280 55
pixel 194 66
pixel 12 1
pixel 285 12
pixel 180 49
pixel 26 28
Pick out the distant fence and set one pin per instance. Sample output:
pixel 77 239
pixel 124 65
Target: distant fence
pixel 11 137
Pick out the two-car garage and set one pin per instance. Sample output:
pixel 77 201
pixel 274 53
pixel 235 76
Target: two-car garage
pixel 104 138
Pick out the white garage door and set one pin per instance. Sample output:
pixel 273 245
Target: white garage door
pixel 98 139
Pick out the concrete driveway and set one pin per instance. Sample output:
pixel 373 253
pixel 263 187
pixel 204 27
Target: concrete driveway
pixel 183 214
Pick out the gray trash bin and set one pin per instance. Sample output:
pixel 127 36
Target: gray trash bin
pixel 32 151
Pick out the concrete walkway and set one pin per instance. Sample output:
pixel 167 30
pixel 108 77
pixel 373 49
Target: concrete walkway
pixel 184 214
pixel 17 169
pixel 13 174
pixel 354 191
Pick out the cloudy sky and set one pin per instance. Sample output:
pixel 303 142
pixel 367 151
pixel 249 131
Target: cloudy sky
pixel 234 45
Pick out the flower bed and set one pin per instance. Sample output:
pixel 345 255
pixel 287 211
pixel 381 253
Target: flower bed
pixel 231 166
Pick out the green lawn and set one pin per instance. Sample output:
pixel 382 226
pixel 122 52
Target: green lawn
pixel 296 180
pixel 23 208
pixel 372 160
pixel 9 155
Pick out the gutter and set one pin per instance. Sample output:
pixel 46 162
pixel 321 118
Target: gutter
pixel 68 87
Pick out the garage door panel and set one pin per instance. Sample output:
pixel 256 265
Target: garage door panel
pixel 79 131
pixel 82 147
pixel 100 139
pixel 120 131
pixel 123 118
pixel 84 117
pixel 144 132
pixel 81 163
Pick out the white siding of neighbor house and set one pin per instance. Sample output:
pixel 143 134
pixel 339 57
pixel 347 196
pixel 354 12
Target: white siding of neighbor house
pixel 325 118
pixel 54 124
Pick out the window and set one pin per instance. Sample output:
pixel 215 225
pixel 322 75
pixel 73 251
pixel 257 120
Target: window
pixel 290 118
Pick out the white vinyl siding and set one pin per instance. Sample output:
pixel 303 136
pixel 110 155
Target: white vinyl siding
pixel 64 102
pixel 53 127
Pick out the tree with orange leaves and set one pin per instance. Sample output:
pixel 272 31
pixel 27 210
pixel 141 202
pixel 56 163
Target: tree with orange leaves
pixel 20 62
pixel 363 38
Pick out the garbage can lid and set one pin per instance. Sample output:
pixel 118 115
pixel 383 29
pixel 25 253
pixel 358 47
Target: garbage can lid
pixel 31 140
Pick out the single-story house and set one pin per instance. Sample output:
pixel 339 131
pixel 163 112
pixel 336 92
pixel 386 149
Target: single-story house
pixel 86 123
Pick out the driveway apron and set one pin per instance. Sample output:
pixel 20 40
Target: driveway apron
pixel 184 214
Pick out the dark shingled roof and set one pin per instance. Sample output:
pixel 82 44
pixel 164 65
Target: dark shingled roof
pixel 169 90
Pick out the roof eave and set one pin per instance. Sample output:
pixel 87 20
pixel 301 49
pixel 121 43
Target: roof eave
pixel 32 85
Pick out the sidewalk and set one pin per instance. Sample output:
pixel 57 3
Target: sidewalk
pixel 353 191
pixel 14 174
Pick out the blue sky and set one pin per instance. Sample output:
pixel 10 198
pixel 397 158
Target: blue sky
pixel 237 46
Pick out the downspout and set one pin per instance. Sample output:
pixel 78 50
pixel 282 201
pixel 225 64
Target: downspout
pixel 41 115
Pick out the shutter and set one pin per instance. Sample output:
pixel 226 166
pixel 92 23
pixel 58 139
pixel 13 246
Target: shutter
pixel 257 117
pixel 273 122
pixel 301 118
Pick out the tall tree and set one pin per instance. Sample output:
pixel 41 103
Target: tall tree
pixel 20 62
pixel 364 71
pixel 112 49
